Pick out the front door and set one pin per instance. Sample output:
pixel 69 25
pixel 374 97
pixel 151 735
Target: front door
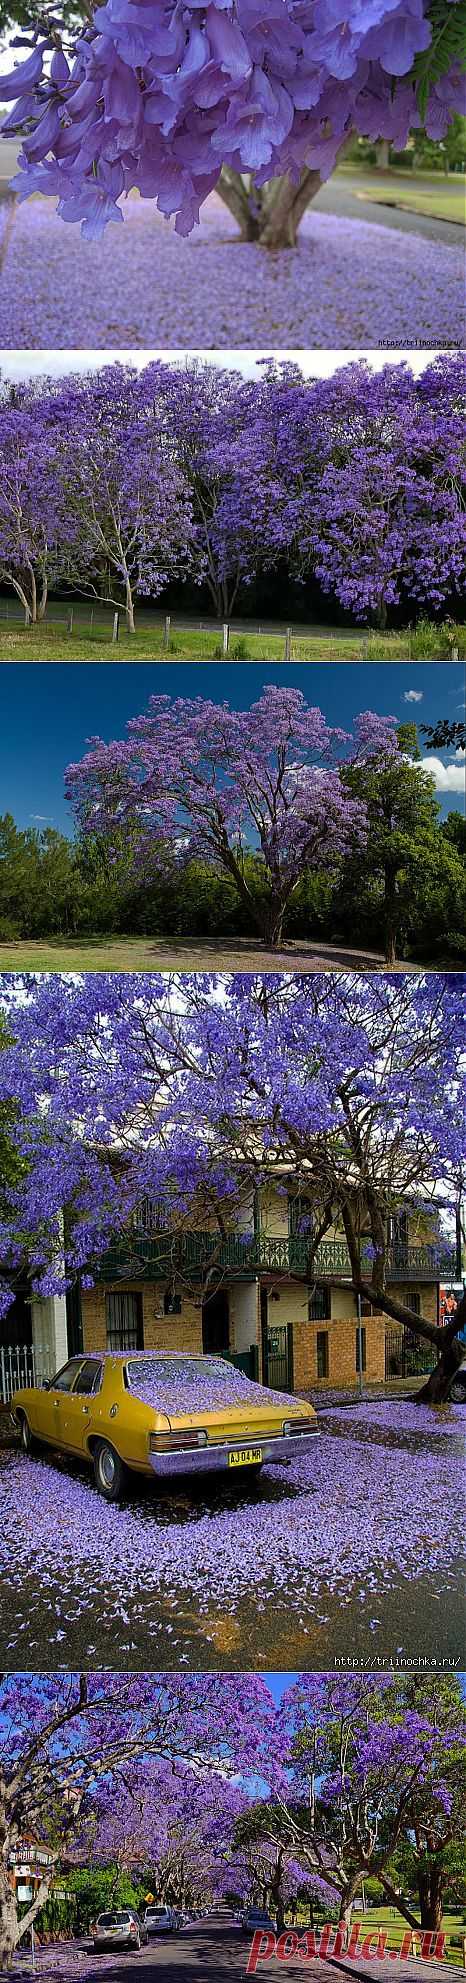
pixel 277 1349
pixel 216 1325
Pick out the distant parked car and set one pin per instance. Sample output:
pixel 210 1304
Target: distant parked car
pixel 457 1391
pixel 159 1920
pixel 256 1919
pixel 122 1929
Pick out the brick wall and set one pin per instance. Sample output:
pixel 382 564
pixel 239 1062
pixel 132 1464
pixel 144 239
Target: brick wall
pixel 341 1337
pixel 161 1332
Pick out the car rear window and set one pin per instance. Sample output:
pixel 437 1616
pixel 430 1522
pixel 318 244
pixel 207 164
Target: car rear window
pixel 179 1384
pixel 113 1920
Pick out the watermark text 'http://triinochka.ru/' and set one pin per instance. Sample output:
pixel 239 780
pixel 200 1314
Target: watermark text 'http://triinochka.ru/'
pixel 292 1946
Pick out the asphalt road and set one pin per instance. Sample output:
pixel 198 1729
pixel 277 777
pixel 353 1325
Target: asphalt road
pixel 212 1951
pixel 341 196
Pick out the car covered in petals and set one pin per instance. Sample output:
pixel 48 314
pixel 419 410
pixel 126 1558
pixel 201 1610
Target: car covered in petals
pixel 162 1415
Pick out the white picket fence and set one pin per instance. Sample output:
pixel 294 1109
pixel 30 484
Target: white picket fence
pixel 22 1365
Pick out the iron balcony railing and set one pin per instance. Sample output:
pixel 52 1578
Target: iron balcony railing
pixel 151 1256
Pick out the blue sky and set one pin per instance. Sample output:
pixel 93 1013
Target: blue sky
pixel 47 713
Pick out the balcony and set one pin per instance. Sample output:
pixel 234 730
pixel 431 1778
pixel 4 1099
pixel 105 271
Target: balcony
pixel 153 1256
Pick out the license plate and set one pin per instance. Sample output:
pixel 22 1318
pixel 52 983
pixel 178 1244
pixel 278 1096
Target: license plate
pixel 250 1457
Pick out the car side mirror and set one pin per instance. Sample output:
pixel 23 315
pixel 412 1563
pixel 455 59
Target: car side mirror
pixel 45 1386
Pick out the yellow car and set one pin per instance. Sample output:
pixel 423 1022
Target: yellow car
pixel 160 1414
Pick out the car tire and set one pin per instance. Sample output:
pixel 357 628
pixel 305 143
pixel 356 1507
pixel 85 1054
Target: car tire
pixel 109 1472
pixel 28 1443
pixel 457 1391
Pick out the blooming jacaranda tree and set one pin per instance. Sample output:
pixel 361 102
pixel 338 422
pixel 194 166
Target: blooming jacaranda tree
pixel 240 94
pixel 204 779
pixel 34 526
pixel 374 1762
pixel 69 1739
pixel 193 1093
pixel 127 499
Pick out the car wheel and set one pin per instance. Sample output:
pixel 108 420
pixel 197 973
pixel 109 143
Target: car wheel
pixel 28 1442
pixel 457 1391
pixel 109 1471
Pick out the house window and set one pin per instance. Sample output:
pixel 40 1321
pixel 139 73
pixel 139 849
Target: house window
pixel 125 1330
pixel 322 1352
pixel 171 1302
pixel 413 1301
pixel 319 1300
pixel 360 1347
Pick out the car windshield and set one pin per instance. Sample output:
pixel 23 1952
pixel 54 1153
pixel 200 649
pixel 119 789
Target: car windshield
pixel 189 1384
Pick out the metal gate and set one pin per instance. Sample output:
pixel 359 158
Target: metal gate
pixel 406 1355
pixel 277 1355
pixel 22 1365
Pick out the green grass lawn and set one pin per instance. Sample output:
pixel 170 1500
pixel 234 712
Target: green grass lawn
pixel 50 643
pixel 453 1926
pixel 145 953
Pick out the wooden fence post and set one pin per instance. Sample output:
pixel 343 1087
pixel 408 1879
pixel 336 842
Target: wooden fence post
pixel 226 637
pixel 69 623
pixel 116 627
pixel 288 644
pixel 167 630
pixel 455 653
pixel 463 1945
pixel 27 617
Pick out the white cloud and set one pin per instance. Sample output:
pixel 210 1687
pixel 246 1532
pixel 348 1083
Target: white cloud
pixel 413 695
pixel 448 777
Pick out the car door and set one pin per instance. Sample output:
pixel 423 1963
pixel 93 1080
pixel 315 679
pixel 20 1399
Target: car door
pixel 48 1402
pixel 78 1407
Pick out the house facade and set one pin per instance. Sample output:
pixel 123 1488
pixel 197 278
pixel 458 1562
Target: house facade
pixel 251 1296
pixel 294 1327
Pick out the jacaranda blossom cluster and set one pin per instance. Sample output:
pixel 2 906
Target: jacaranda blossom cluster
pixel 161 94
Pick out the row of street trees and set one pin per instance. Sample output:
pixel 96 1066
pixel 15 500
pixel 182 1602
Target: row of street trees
pixel 119 484
pixel 347 1091
pixel 361 1778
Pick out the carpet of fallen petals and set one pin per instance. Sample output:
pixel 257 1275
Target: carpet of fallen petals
pixel 348 284
pixel 376 1502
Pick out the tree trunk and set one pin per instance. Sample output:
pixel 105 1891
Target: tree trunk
pixel 42 603
pixel 391 915
pixel 382 154
pixel 430 1889
pixel 129 607
pixel 435 1390
pixel 347 1899
pixel 269 215
pixel 8 1919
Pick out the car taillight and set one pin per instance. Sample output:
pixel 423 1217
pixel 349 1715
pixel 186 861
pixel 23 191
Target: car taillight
pixel 172 1442
pixel 291 1425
